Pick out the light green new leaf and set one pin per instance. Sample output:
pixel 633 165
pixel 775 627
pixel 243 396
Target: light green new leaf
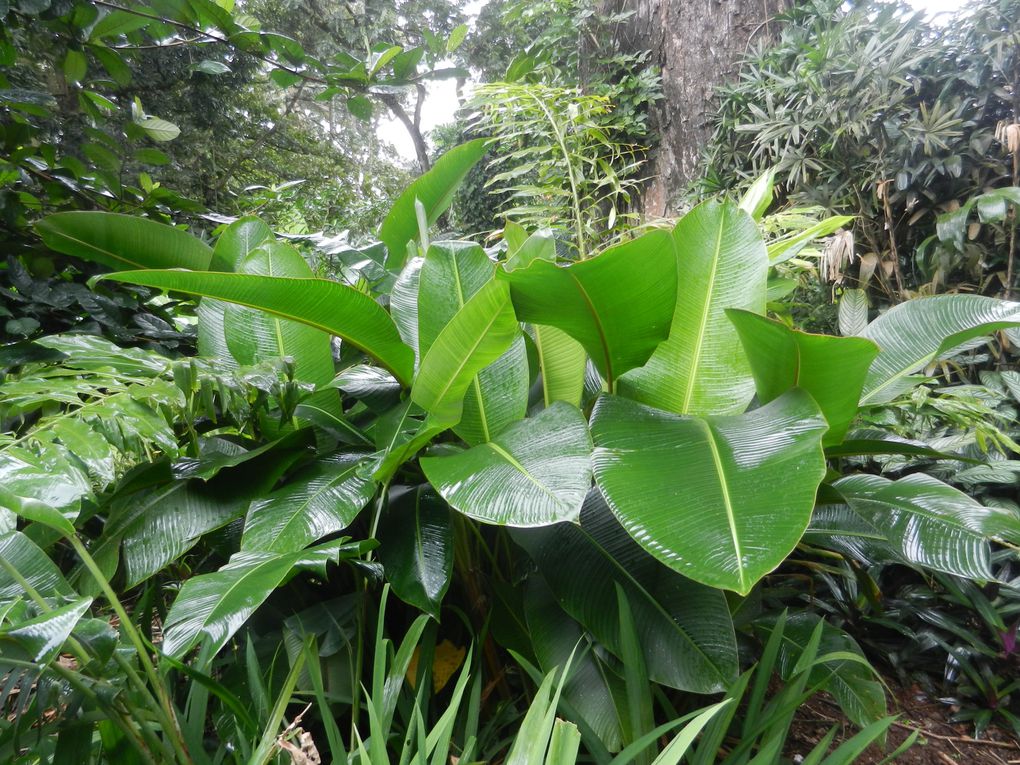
pixel 233 246
pixel 701 368
pixel 479 334
pixel 759 196
pixel 537 472
pixel 618 305
pixel 253 336
pixel 237 242
pixel 123 241
pixel 915 333
pixel 831 369
pixel 563 362
pixel 451 274
pixel 930 523
pixel 740 488
pixel 435 190
pixel 33 565
pixel 42 636
pixel 684 628
pixel 329 306
pixel 216 605
pixel 321 499
pixel 416 547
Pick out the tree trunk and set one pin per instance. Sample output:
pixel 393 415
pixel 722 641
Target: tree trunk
pixel 697 46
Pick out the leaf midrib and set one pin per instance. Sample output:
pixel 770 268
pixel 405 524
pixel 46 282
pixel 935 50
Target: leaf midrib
pixel 700 331
pixel 731 519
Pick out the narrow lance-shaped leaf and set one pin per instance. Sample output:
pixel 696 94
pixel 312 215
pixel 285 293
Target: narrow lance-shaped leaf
pixel 740 488
pixel 434 190
pixel 618 305
pixel 930 523
pixel 478 335
pixel 42 636
pixel 31 564
pixel 537 472
pixel 831 369
pixel 123 241
pixel 701 368
pixel 322 499
pixel 216 605
pixel 329 306
pixel 915 333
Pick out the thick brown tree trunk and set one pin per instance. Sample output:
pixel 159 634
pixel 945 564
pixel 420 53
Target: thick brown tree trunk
pixel 697 45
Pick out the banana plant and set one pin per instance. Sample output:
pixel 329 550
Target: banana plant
pixel 635 418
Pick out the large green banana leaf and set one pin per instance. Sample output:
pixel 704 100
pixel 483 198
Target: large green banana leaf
pixel 321 499
pixel 701 368
pixel 556 637
pixel 452 273
pixel 685 629
pixel 475 337
pixel 253 336
pixel 618 305
pixel 435 190
pixel 915 333
pixel 929 523
pixel 233 246
pixel 326 305
pixel 831 369
pixel 123 241
pixel 536 472
pixel 416 547
pixel 722 500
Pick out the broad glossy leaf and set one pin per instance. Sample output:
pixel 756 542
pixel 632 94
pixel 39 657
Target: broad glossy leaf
pixel 404 304
pixel 562 362
pixel 216 605
pixel 758 197
pixel 853 312
pixel 123 241
pixel 237 241
pixel 32 564
pixel 618 305
pixel 537 472
pixel 831 369
pixel 929 523
pixel 42 636
pixel 858 691
pixel 837 527
pixel 416 547
pixel 685 629
pixel 253 336
pixel 43 485
pixel 234 244
pixel 555 637
pixel 701 368
pixel 722 500
pixel 158 528
pixel 915 333
pixel 452 273
pixel 435 190
pixel 479 334
pixel 322 499
pixel 329 306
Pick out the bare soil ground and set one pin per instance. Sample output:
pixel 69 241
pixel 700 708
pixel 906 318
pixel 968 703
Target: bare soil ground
pixel 941 742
